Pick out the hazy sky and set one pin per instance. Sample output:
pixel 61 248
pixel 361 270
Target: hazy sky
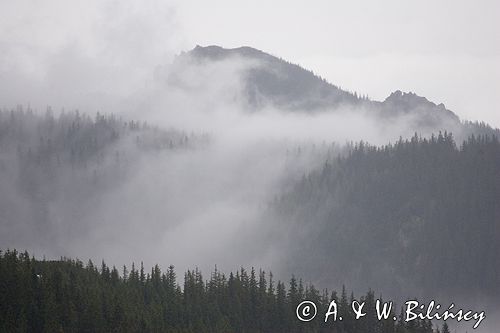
pixel 449 51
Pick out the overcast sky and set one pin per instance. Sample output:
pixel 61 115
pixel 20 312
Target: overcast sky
pixel 449 51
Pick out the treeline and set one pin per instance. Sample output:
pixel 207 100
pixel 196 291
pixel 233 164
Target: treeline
pixel 78 138
pixel 40 148
pixel 478 129
pixel 423 211
pixel 66 296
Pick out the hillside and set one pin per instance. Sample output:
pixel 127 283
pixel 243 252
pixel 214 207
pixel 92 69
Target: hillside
pixel 418 217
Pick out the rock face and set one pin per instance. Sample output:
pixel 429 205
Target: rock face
pixel 425 112
pixel 403 102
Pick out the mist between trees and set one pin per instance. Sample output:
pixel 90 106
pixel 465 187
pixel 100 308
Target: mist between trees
pixel 416 217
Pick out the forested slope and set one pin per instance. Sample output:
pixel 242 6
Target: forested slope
pixel 421 216
pixel 55 167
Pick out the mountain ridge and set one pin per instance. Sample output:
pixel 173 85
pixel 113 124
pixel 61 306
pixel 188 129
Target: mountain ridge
pixel 306 90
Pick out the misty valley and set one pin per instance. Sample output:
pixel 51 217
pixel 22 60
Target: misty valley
pixel 235 158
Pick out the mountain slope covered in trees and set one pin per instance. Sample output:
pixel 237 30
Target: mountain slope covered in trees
pixel 55 168
pixel 418 217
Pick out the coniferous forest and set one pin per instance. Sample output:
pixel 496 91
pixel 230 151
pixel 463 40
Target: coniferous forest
pixel 68 296
pixel 427 210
